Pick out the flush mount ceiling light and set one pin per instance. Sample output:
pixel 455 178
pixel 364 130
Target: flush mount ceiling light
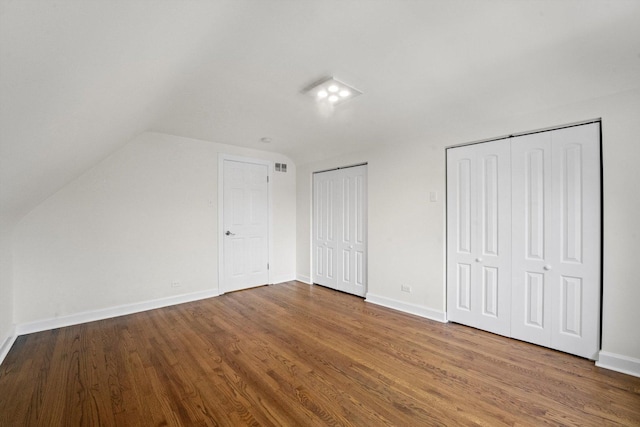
pixel 331 91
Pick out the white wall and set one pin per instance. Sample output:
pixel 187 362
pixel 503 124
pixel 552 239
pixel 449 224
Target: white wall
pixel 133 224
pixel 406 230
pixel 6 287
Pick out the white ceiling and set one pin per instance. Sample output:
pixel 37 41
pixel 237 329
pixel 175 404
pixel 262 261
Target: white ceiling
pixel 79 79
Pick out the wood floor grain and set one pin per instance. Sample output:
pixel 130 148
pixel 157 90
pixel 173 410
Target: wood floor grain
pixel 299 355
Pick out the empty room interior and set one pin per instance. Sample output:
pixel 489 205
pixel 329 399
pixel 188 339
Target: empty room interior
pixel 313 212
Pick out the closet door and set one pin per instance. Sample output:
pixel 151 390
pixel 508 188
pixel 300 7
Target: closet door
pixel 340 229
pixel 326 197
pixel 352 237
pixel 478 236
pixel 556 239
pixel 533 244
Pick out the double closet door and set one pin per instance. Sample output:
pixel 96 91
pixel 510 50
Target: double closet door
pixel 339 241
pixel 523 238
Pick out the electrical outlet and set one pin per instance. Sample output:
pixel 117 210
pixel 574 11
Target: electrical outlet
pixel 405 288
pixel 175 284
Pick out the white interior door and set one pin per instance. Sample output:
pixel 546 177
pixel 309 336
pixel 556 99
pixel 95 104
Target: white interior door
pixel 556 250
pixel 523 238
pixel 340 229
pixel 352 238
pixel 478 234
pixel 325 227
pixel 245 225
pixel 533 245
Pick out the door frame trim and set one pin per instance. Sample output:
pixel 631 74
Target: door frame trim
pixel 269 164
pixel 529 132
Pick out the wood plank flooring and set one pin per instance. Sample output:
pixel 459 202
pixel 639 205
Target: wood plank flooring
pixel 299 355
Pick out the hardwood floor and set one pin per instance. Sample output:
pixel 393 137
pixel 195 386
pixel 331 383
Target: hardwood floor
pixel 299 355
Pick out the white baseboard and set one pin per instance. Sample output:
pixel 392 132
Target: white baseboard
pixel 107 313
pixel 7 343
pixel 283 278
pixel 618 362
pixel 418 310
pixel 304 279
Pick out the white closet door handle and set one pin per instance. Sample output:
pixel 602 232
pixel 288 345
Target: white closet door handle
pixel 547 267
pixel 478 259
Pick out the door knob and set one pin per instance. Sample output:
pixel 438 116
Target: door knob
pixel 228 233
pixel 478 259
pixel 547 267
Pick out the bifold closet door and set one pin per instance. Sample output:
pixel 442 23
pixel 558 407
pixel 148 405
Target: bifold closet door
pixel 325 228
pixel 556 239
pixel 478 236
pixel 523 238
pixel 340 229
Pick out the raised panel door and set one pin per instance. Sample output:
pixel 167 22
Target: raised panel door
pixel 556 239
pixel 478 273
pixel 340 229
pixel 352 242
pixel 245 224
pixel 461 235
pixel 577 277
pixel 546 290
pixel 531 248
pixel 324 242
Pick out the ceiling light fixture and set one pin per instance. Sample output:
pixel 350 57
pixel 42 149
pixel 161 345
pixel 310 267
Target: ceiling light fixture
pixel 331 91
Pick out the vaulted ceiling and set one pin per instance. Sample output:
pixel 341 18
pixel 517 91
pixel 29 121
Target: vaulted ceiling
pixel 79 79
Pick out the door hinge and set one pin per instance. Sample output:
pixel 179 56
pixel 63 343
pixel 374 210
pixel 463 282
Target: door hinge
pixel 267 178
pixel 267 266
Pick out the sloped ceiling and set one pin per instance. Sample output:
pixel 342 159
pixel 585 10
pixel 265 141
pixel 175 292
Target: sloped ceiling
pixel 79 79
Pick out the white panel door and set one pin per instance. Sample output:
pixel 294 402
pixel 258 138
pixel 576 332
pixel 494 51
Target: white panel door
pixel 478 234
pixel 245 225
pixel 533 241
pixel 556 235
pixel 352 242
pixel 339 241
pixel 326 197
